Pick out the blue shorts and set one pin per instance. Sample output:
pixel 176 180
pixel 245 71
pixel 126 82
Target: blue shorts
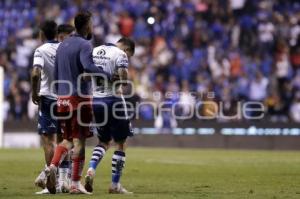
pixel 46 123
pixel 111 115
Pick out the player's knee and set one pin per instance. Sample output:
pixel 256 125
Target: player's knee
pixel 67 144
pixel 78 143
pixel 79 147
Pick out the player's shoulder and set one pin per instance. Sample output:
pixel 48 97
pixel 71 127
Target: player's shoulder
pixel 99 51
pixel 121 54
pixel 117 52
pixel 97 48
pixel 80 41
pixel 47 46
pixel 40 48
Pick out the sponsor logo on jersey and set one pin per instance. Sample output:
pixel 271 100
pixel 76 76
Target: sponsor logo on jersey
pixel 101 52
pixel 64 102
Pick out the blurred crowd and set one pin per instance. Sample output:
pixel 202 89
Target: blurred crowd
pixel 187 51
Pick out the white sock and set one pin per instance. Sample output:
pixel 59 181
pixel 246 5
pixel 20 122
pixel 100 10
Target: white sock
pixel 63 175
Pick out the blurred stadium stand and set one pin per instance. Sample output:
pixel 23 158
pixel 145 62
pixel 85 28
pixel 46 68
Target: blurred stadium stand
pixel 240 50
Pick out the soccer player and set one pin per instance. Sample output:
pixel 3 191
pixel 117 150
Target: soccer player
pixel 74 57
pixel 41 80
pixel 64 31
pixel 107 103
pixel 64 171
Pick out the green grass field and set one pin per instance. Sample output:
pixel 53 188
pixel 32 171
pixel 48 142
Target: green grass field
pixel 171 173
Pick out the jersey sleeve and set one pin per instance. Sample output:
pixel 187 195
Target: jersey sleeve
pixel 38 59
pixel 122 61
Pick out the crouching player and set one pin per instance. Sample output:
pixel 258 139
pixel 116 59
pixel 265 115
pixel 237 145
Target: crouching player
pixel 41 80
pixel 106 106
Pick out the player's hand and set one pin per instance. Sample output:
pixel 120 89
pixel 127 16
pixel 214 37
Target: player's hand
pixel 115 77
pixel 86 77
pixel 35 98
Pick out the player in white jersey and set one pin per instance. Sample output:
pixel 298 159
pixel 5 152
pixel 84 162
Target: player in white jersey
pixel 114 60
pixel 42 95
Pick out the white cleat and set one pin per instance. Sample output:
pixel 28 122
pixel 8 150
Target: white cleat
pixel 89 179
pixel 79 190
pixel 51 179
pixel 44 191
pixel 118 190
pixel 41 180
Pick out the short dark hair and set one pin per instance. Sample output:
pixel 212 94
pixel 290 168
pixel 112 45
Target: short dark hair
pixel 49 29
pixel 65 28
pixel 128 42
pixel 82 19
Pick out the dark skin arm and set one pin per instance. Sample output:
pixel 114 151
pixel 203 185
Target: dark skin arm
pixel 35 84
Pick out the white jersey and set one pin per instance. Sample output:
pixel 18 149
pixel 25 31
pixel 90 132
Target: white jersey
pixel 44 57
pixel 110 58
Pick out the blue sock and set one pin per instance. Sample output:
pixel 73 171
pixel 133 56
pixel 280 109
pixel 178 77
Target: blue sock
pixel 98 153
pixel 118 162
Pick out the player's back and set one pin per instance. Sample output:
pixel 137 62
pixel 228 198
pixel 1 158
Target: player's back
pixel 108 57
pixel 69 67
pixel 44 57
pixel 109 108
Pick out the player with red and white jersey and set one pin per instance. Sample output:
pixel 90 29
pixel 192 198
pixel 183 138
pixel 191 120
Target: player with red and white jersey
pixel 110 112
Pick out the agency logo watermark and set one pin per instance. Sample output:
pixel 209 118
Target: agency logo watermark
pixel 110 101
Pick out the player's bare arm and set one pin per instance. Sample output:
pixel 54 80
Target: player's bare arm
pixel 35 84
pixel 123 78
pixel 123 74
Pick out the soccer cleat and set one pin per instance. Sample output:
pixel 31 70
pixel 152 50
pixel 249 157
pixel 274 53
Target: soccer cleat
pixel 41 180
pixel 118 190
pixel 89 178
pixel 79 190
pixel 44 191
pixel 51 179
